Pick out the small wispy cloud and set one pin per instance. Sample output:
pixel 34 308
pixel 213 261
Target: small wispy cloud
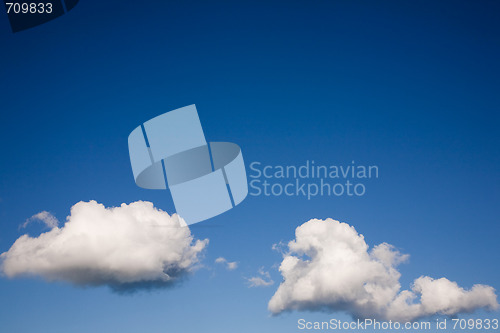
pixel 261 280
pixel 230 265
pixel 280 247
pixel 45 217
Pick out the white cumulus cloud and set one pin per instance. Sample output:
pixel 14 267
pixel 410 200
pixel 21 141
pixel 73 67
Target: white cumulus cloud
pixel 230 265
pixel 329 267
pixel 127 248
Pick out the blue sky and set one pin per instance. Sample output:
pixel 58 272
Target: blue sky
pixel 411 87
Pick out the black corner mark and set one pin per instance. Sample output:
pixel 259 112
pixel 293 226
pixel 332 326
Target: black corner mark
pixel 70 4
pixel 25 14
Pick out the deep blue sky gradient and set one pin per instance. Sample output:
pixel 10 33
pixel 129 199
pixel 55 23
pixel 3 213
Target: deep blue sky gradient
pixel 410 86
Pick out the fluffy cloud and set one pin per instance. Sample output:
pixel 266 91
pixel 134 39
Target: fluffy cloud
pixel 46 218
pixel 330 267
pixel 127 247
pixel 230 265
pixel 261 280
